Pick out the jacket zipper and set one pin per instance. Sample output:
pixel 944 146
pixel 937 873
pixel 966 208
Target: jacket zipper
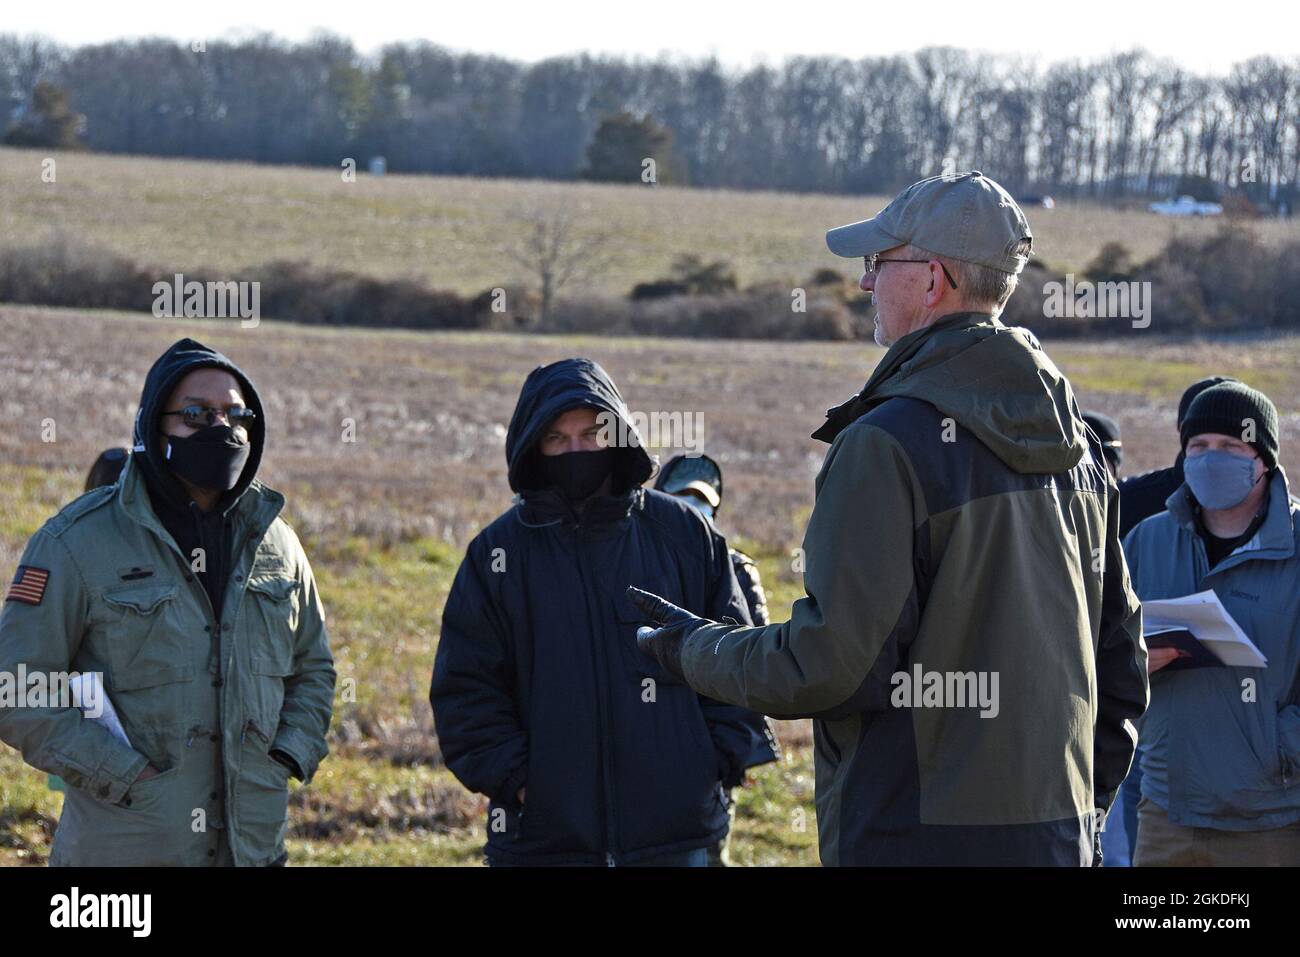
pixel 602 710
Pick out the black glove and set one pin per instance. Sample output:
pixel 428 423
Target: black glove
pixel 675 625
pixel 1096 841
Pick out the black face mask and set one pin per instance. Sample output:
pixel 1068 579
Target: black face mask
pixel 211 458
pixel 578 474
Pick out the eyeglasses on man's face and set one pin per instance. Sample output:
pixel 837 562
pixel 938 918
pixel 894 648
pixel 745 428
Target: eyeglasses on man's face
pixel 873 263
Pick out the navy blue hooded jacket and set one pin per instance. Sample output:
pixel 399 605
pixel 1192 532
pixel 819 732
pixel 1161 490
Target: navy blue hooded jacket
pixel 538 681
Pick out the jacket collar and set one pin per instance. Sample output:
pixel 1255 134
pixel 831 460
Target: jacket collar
pixel 843 415
pixel 258 505
pixel 1274 540
pixel 542 507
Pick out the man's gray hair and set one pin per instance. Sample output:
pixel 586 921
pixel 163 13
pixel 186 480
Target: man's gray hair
pixel 980 285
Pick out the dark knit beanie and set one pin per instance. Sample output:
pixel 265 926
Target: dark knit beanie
pixel 1232 408
pixel 1195 389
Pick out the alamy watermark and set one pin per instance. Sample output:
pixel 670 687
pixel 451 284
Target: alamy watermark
pixel 208 300
pixel 52 689
pixel 946 689
pixel 128 911
pixel 1085 299
pixel 660 430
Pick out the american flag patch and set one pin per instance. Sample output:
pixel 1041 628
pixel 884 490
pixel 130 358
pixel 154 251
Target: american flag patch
pixel 28 585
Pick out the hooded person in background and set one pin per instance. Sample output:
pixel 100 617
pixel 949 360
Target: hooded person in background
pixel 697 480
pixel 1220 746
pixel 1145 495
pixel 182 587
pixel 969 647
pixel 589 752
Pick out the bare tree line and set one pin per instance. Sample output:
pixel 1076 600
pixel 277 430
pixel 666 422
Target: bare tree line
pixel 1126 125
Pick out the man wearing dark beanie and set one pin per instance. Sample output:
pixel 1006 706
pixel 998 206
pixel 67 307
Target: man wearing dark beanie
pixel 1141 496
pixel 1144 495
pixel 1219 747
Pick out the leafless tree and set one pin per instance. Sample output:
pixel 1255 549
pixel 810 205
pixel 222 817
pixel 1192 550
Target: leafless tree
pixel 557 247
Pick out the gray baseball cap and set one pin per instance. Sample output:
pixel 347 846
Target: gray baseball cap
pixel 964 216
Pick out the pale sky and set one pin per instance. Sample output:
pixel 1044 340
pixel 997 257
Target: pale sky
pixel 1206 37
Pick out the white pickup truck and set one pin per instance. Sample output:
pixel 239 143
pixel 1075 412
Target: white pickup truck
pixel 1185 206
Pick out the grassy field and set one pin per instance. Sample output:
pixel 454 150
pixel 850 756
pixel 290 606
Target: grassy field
pixel 388 517
pixel 447 231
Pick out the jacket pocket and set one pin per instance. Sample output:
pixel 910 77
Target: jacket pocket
pixel 150 665
pixel 1244 775
pixel 142 634
pixel 150 831
pixel 270 624
pixel 636 664
pixel 145 795
pixel 273 623
pixel 261 798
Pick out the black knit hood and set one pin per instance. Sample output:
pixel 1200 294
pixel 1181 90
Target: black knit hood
pixel 548 392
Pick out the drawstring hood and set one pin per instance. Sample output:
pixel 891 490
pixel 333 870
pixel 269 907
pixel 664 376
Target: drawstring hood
pixel 149 446
pixel 994 380
pixel 549 392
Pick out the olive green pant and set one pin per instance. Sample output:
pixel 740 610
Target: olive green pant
pixel 1161 843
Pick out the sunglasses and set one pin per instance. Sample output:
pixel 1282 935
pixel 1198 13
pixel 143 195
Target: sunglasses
pixel 202 416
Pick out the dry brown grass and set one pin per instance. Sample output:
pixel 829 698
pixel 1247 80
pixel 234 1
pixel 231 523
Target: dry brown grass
pixel 445 231
pixel 431 409
pixel 385 519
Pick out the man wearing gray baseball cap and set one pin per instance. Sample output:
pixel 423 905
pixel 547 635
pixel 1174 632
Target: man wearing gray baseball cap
pixel 969 646
pixel 965 229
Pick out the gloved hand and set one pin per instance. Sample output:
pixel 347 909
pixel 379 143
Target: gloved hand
pixel 674 625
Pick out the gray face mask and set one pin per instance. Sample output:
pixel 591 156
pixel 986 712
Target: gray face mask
pixel 1220 480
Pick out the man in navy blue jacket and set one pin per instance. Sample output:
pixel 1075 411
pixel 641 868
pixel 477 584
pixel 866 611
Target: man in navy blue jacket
pixel 590 752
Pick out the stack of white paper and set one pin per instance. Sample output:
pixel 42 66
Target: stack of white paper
pixel 1205 617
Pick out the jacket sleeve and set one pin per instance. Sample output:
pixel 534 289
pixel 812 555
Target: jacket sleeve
pixel 1122 685
pixel 741 738
pixel 479 730
pixel 44 639
pixel 844 639
pixel 309 691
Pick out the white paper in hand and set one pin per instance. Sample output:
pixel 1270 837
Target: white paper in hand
pixel 1205 617
pixel 88 694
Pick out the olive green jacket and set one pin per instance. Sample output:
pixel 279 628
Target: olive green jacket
pixel 120 600
pixel 964 532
